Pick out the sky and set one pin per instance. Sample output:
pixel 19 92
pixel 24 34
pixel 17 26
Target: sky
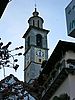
pixel 14 23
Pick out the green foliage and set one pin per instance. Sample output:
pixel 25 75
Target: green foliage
pixel 62 97
pixel 56 98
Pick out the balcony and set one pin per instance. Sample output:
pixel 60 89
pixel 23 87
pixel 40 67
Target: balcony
pixel 57 76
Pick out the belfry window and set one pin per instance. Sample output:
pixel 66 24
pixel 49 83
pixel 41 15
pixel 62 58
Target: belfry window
pixel 28 41
pixel 33 23
pixel 39 40
pixel 38 23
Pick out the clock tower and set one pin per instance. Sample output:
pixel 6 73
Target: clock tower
pixel 36 49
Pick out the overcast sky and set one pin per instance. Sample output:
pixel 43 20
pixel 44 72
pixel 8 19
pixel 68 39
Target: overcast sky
pixel 13 24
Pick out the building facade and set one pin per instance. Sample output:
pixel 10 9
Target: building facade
pixel 61 73
pixel 36 49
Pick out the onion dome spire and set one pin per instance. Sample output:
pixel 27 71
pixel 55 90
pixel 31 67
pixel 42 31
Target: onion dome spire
pixel 35 13
pixel 36 20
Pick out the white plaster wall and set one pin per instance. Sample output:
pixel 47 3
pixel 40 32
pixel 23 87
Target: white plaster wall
pixel 70 55
pixel 72 86
pixel 68 86
pixel 64 88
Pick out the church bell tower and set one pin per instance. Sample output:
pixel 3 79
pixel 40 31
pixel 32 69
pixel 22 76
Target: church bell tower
pixel 36 49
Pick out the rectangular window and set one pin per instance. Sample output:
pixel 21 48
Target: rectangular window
pixel 38 23
pixel 39 60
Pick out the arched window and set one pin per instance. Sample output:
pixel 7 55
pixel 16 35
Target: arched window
pixel 38 23
pixel 28 41
pixel 39 40
pixel 33 23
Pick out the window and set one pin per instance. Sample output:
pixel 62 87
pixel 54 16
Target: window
pixel 28 41
pixel 38 23
pixel 39 40
pixel 33 23
pixel 71 63
pixel 39 60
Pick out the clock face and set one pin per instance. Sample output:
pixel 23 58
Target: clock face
pixel 39 55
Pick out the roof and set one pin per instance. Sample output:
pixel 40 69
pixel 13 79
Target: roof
pixel 57 54
pixel 35 17
pixel 35 14
pixel 33 27
pixel 3 4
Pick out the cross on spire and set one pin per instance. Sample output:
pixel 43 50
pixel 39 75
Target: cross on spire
pixel 35 3
pixel 35 6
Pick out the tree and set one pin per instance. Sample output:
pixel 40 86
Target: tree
pixel 7 59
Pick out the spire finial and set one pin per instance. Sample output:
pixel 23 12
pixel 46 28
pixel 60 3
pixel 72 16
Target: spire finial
pixel 35 4
pixel 35 13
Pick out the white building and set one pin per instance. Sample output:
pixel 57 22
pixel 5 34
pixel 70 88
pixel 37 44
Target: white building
pixel 61 69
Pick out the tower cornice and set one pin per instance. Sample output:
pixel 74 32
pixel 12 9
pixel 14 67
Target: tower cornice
pixel 33 27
